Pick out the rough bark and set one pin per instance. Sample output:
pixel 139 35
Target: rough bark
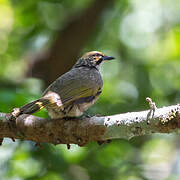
pixel 81 131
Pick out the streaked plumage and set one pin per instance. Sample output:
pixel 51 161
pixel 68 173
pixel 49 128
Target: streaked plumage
pixel 73 92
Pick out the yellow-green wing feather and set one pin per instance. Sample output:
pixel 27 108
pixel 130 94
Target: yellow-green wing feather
pixel 77 93
pixel 75 85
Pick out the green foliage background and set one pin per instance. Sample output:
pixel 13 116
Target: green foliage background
pixel 144 36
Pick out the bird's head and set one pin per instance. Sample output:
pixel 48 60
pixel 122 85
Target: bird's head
pixel 93 59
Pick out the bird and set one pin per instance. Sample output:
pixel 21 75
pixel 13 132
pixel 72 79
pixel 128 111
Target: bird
pixel 72 93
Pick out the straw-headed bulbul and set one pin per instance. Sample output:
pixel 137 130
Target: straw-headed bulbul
pixel 73 92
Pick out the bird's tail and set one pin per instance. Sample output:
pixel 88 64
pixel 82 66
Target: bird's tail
pixel 31 107
pixel 34 106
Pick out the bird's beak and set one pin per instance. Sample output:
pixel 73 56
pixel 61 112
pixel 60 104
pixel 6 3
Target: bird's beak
pixel 108 58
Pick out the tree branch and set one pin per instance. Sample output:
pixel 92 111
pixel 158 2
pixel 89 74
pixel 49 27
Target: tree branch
pixel 81 131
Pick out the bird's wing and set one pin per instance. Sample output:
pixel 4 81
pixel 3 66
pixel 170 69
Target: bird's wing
pixel 77 92
pixel 76 88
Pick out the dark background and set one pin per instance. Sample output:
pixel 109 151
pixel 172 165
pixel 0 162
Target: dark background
pixel 42 39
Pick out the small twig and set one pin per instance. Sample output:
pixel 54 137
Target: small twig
pixel 153 107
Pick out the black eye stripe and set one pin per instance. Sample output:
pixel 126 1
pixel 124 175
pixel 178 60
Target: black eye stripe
pixel 99 62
